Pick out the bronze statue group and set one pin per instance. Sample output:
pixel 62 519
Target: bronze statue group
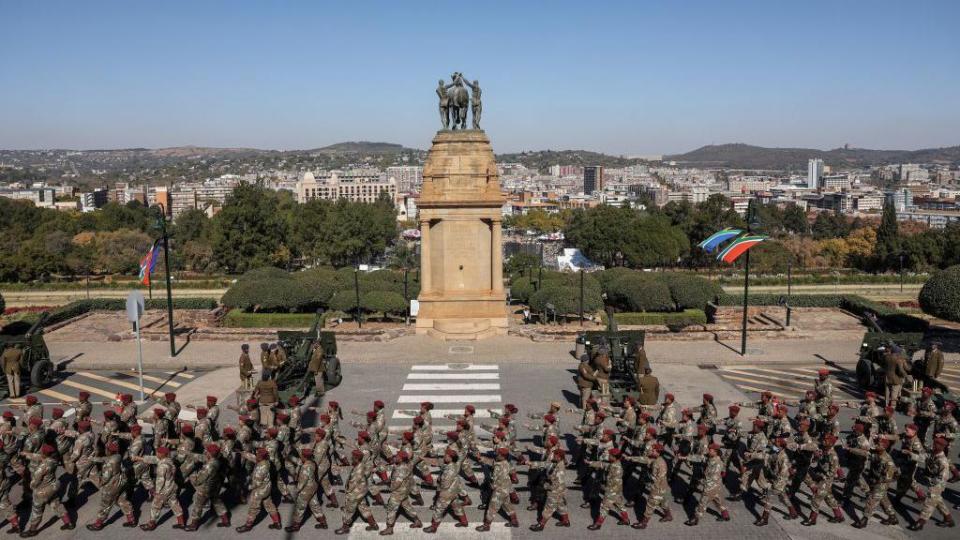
pixel 783 454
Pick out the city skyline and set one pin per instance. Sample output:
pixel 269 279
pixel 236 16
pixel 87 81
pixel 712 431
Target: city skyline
pixel 620 78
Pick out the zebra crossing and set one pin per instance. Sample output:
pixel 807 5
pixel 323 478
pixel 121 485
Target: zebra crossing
pixel 792 381
pixel 103 386
pixel 450 387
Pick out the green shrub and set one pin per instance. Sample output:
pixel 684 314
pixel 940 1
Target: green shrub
pixel 271 290
pixel 690 292
pixel 79 307
pixel 940 296
pixel 565 299
pixel 682 318
pixel 386 302
pixel 639 292
pixel 345 300
pixel 239 319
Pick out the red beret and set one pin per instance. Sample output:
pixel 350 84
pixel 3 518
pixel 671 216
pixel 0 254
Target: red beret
pixel 364 435
pixel 211 399
pixel 229 431
pixel 734 408
pixel 550 418
pixel 608 433
pixel 758 423
pixel 408 435
pixel 708 397
pixel 83 425
pixel 294 400
pixel 614 453
pixel 113 447
pixel 136 428
pixel 8 415
pixel 378 404
pixel 858 428
pixel 262 453
pixel 702 428
pixel 212 449
pixel 109 414
pixel 418 420
pixel 31 399
pixel 333 405
pixel 159 411
pixel 871 394
pixel 503 452
pixel 927 391
pixel 451 452
pixel 669 396
pixel 163 451
pixel 426 405
pixel 201 412
pixel 244 419
pixel 453 435
pixel 553 440
pixel 325 418
pixel 282 416
pixel 652 431
pixel 949 406
pixel 371 415
pixel 36 421
pixel 186 428
pixel 319 434
pixel 170 396
pixel 126 398
pixel 714 446
pixel 251 403
pixel 823 372
pixel 84 395
pixel 272 432
pixel 57 413
pixel 357 454
pixel 470 409
pixel 511 408
pixel 939 443
pixel 306 451
pixel 48 450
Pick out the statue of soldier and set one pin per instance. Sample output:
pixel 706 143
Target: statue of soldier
pixel 476 106
pixel 444 103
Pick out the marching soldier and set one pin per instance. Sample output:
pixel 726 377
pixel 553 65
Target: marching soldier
pixel 501 486
pixel 882 473
pixel 821 481
pixel 246 368
pixel 113 487
pixel 165 494
pixel 823 390
pixel 355 497
pixel 45 489
pixel 913 455
pixel 732 437
pixel 938 471
pixel 260 492
pixel 11 368
pixel 206 489
pixel 449 489
pixel 612 501
pixel 401 483
pixel 857 454
pixel 659 486
pixel 776 486
pixel 306 493
pixel 924 411
pixel 712 486
pixel 556 502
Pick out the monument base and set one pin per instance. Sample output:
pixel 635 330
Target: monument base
pixel 462 318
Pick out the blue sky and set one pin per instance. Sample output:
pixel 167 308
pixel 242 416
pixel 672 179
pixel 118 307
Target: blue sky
pixel 621 77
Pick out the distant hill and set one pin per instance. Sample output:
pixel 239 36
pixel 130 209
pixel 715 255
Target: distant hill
pixel 361 147
pixel 757 157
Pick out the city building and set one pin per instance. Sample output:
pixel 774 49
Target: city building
pixel 935 219
pixel 358 186
pixel 592 179
pixel 834 182
pixel 814 172
pixel 94 199
pixel 902 199
pixel 44 197
pixel 408 178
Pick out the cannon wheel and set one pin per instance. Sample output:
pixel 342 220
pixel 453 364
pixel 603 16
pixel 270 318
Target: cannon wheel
pixel 41 374
pixel 865 374
pixel 333 375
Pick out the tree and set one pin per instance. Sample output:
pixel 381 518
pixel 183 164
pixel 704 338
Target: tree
pixel 248 230
pixel 795 220
pixel 940 295
pixel 652 241
pixel 888 247
pixel 191 225
pixel 598 232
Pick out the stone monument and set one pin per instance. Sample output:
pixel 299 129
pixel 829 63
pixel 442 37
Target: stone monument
pixel 461 262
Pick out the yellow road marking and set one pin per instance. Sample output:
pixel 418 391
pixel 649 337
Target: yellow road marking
pixel 124 384
pixel 751 381
pixel 90 389
pixel 180 374
pixel 759 390
pixel 165 382
pixel 757 375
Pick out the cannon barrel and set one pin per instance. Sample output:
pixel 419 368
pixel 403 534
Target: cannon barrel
pixel 39 324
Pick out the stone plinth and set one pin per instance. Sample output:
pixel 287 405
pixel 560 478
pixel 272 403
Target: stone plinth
pixel 461 265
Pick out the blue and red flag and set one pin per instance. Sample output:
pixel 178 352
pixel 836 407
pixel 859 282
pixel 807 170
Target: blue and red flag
pixel 718 238
pixel 739 247
pixel 148 262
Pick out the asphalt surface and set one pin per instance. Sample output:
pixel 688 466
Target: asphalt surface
pixel 531 387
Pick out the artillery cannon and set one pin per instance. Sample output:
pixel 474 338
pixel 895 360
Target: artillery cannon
pixel 293 378
pixel 35 361
pixel 621 346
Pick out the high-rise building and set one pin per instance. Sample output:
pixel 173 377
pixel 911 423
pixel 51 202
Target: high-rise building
pixel 592 179
pixel 94 199
pixel 353 186
pixel 814 172
pixel 408 178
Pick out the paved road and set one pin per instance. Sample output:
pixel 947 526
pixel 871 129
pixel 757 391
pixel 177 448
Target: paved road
pixel 451 383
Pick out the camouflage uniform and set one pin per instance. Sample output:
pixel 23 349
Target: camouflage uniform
pixel 80 464
pixel 731 438
pixel 501 487
pixel 165 480
pixel 938 471
pixel 7 509
pixel 401 484
pixel 776 485
pixel 113 489
pixel 449 488
pixel 882 472
pixel 613 500
pixel 821 482
pixel 712 485
pixel 260 491
pixel 206 491
pixel 355 496
pixel 857 453
pixel 44 485
pixel 913 455
pixel 556 502
pixel 306 498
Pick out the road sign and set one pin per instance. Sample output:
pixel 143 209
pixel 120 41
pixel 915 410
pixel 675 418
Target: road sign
pixel 135 306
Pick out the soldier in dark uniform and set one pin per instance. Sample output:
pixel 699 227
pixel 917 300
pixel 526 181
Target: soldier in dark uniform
pixel 246 368
pixel 648 387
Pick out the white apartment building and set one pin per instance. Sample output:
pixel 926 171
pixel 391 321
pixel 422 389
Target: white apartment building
pixel 408 178
pixel 357 187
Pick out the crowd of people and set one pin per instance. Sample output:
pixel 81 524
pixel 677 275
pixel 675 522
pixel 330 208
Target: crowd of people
pixel 651 456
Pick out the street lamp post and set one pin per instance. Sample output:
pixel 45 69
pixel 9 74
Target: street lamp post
pixel 901 271
pixel 356 288
pixel 162 225
pixel 752 223
pixel 406 297
pixel 581 297
pixel 789 278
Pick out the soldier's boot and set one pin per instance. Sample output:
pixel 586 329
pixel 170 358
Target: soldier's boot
pixel 624 519
pixel 532 507
pixel 667 516
pixel 429 481
pixel 917 525
pixel 736 496
pixel 246 527
pixel 130 522
pixel 514 497
pixel 921 496
pixel 890 520
pixel 388 531
pixel 837 515
pixel 372 524
pixel 383 476
pixel 692 522
pixel 860 523
pixel 95 526
pixel 417 524
pixel 954 474
pixel 513 522
pixel 293 527
pixel 224 521
pixel 811 519
pixel 724 516
pixel 149 526
pixel 14 525
pixel 333 501
pixel 564 520
pixel 595 526
pixel 792 512
pixel 417 499
pixel 432 528
pixel 485 527
pixel 275 517
pixel 472 479
pixel 947 522
pixel 29 534
pixel 538 526
pixel 181 522
pixel 462 521
pixel 378 499
pixel 344 529
pixel 642 524
pixel 466 501
pixel 193 526
pixel 763 519
pixel 321 523
pixel 514 478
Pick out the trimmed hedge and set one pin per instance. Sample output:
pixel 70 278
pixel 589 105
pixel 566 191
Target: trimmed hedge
pixel 686 317
pixel 565 299
pixel 940 296
pixel 690 292
pixel 79 307
pixel 238 319
pixel 639 292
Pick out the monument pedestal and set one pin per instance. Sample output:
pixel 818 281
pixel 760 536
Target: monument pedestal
pixel 461 262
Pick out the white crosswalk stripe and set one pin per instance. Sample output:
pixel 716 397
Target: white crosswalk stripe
pixel 453 385
pixel 790 381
